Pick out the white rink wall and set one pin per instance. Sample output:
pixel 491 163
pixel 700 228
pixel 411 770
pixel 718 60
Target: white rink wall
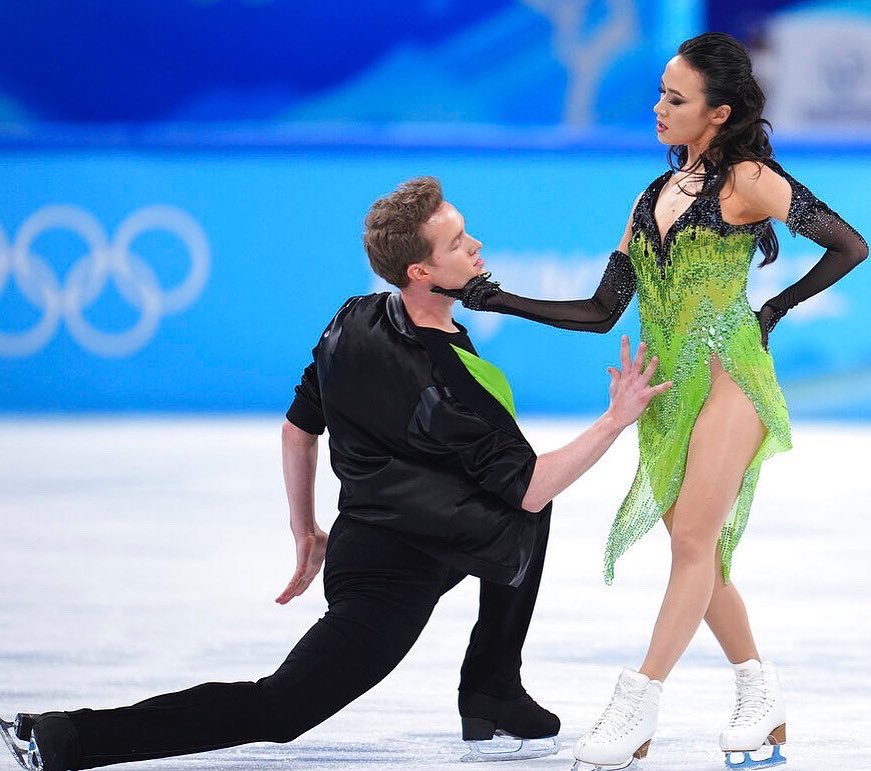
pixel 141 556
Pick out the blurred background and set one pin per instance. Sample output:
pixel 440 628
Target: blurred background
pixel 183 183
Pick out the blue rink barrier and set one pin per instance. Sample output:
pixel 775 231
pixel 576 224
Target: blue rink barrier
pixel 185 279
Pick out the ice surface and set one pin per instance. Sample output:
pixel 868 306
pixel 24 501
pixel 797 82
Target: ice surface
pixel 141 556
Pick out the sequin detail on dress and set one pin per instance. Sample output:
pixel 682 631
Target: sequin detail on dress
pixel 691 286
pixel 692 301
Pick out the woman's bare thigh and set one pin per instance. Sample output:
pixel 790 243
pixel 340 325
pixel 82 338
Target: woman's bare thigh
pixel 726 436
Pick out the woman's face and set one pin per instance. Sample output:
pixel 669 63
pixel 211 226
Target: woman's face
pixel 682 113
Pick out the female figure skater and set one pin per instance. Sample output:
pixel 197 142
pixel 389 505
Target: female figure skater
pixel 686 251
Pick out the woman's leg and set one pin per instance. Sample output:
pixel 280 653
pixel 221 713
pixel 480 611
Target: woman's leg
pixel 727 619
pixel 726 436
pixel 726 615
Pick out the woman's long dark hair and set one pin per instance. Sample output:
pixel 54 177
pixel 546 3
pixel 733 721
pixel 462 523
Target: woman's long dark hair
pixel 727 73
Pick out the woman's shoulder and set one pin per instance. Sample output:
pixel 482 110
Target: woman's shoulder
pixel 750 171
pixel 755 180
pixel 762 189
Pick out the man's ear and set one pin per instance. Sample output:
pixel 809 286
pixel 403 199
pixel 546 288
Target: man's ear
pixel 721 114
pixel 417 271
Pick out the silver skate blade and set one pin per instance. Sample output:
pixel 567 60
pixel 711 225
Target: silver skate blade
pixel 7 729
pixel 581 765
pixel 505 747
pixel 748 761
pixel 34 759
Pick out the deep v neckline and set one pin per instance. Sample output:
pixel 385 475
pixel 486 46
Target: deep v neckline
pixel 663 238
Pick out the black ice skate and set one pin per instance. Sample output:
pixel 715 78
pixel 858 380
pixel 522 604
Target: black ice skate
pixel 506 729
pixel 44 742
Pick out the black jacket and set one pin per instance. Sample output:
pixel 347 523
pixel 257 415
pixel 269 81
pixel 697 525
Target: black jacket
pixel 421 449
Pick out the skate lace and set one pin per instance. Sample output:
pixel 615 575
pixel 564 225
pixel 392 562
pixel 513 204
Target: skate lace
pixel 750 702
pixel 621 711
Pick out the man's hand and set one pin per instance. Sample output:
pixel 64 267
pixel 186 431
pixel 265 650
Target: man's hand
pixel 630 392
pixel 310 551
pixel 630 388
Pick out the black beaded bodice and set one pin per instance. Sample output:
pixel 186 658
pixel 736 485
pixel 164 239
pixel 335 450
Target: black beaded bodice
pixel 703 212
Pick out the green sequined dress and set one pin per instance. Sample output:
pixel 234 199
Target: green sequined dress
pixel 693 305
pixel 691 288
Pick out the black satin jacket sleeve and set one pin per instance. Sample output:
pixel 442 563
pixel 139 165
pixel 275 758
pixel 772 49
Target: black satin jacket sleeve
pixel 306 411
pixel 501 462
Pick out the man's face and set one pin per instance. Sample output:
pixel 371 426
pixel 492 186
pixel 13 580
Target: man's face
pixel 456 256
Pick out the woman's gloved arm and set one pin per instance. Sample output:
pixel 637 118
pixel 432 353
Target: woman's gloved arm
pixel 599 313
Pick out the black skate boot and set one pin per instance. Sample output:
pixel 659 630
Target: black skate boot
pixel 23 725
pixel 506 729
pixel 54 743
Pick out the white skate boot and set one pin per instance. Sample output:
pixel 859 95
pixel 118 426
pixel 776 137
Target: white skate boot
pixel 759 718
pixel 622 735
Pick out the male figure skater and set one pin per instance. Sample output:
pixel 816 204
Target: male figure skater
pixel 437 482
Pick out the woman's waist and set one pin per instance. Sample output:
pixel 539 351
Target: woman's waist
pixel 728 312
pixel 690 296
pixel 736 330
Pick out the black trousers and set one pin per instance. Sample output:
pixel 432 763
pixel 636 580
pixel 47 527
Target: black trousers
pixel 381 592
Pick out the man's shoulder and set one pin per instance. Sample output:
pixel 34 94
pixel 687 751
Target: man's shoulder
pixel 373 320
pixel 362 303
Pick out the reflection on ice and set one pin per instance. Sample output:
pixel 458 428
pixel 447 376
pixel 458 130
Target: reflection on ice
pixel 141 556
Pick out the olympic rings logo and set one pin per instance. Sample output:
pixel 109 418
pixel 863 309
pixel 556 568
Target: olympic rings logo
pixel 66 299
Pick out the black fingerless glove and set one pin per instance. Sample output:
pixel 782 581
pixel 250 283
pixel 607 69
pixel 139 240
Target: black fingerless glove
pixel 474 294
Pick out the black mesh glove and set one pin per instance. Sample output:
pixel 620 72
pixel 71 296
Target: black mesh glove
pixel 474 294
pixel 845 249
pixel 768 317
pixel 596 314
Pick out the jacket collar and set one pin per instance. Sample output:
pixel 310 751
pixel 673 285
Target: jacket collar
pixel 398 316
pixel 399 320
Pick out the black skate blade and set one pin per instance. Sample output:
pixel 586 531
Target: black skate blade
pixel 7 730
pixel 506 747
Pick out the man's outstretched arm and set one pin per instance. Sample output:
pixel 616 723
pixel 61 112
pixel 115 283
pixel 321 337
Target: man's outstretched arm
pixel 299 458
pixel 630 393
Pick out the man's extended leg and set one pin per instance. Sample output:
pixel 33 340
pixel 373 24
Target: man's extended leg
pixel 381 593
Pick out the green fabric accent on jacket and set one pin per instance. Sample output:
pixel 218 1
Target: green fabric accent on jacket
pixel 490 377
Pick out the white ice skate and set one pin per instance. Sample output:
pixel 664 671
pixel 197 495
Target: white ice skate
pixel 759 719
pixel 622 735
